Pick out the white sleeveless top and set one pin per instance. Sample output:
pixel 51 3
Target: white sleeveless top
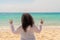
pixel 29 34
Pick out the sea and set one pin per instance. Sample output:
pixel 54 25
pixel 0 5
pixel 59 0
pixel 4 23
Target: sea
pixel 49 18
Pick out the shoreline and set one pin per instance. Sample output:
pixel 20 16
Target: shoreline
pixel 50 27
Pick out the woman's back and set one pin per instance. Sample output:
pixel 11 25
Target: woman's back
pixel 29 34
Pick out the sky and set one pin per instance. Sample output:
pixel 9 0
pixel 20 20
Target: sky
pixel 29 5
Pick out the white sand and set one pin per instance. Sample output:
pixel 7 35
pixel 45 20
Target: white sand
pixel 46 34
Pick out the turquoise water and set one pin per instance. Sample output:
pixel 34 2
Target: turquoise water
pixel 49 18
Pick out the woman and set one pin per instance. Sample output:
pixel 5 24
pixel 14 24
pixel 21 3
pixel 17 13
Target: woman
pixel 27 28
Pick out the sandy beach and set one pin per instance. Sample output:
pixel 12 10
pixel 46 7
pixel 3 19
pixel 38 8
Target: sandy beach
pixel 46 34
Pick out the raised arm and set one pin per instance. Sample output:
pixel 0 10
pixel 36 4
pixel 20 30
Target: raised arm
pixel 12 28
pixel 38 28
